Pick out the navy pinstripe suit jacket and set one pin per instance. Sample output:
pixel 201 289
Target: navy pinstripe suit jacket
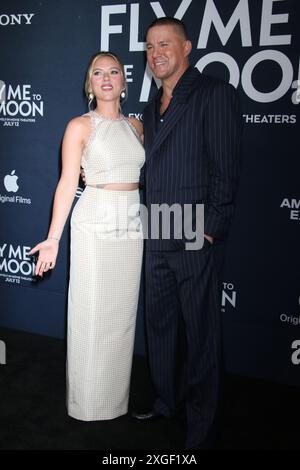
pixel 194 155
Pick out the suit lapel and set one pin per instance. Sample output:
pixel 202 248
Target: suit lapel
pixel 150 127
pixel 173 115
pixel 178 106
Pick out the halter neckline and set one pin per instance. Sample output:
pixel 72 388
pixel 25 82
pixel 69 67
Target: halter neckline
pixel 101 116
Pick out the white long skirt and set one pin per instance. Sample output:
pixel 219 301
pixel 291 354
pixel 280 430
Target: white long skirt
pixel 106 259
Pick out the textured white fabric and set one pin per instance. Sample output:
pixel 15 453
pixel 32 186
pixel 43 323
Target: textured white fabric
pixel 106 259
pixel 113 153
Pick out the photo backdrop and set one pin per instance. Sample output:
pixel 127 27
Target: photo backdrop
pixel 45 49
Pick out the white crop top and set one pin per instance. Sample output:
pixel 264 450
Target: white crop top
pixel 113 153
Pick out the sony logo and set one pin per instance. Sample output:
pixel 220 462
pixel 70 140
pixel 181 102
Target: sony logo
pixel 19 18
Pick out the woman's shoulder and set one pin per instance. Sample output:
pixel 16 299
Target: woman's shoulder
pixel 79 122
pixel 79 127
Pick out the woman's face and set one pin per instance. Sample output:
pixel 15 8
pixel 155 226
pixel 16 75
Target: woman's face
pixel 107 80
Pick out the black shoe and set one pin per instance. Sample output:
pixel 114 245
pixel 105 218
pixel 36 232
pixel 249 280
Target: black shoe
pixel 150 415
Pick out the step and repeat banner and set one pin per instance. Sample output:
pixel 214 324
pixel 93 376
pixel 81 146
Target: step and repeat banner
pixel 253 44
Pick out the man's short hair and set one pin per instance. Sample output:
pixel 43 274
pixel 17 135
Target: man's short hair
pixel 170 21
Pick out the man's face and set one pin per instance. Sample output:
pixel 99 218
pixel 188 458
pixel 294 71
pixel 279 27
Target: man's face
pixel 167 51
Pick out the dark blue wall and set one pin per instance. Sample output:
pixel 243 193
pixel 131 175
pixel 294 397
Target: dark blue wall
pixel 45 49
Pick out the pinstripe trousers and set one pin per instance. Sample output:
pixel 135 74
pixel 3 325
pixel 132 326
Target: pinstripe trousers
pixel 184 335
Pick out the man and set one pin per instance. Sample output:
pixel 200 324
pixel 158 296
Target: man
pixel 192 135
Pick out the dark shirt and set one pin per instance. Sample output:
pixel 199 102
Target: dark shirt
pixel 159 118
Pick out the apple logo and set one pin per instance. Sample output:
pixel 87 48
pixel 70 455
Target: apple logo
pixel 10 182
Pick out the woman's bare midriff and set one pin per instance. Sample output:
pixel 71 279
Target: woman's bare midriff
pixel 120 186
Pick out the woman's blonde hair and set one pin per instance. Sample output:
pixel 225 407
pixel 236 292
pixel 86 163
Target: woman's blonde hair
pixel 88 86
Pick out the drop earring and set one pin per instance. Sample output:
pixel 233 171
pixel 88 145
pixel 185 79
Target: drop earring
pixel 90 98
pixel 123 94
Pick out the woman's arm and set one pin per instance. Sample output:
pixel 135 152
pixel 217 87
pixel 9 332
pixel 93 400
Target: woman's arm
pixel 72 146
pixel 64 195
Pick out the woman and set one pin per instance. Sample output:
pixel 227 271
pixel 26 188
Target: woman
pixel 106 245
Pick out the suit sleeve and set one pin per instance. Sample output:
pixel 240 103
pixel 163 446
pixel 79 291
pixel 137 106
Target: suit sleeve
pixel 222 136
pixel 142 177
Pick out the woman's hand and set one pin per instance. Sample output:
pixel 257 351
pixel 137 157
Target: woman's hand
pixel 48 251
